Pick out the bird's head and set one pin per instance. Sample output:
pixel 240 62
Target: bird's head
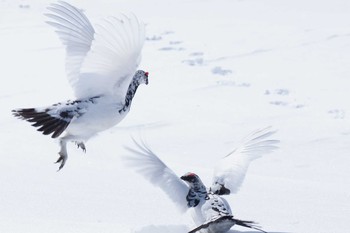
pixel 141 77
pixel 197 192
pixel 191 178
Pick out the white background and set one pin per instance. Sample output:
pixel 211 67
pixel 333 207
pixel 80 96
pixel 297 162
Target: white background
pixel 218 70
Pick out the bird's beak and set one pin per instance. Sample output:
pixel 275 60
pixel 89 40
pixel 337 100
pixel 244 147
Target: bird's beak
pixel 184 178
pixel 146 81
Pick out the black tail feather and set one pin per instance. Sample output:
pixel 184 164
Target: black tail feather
pixel 47 123
pixel 243 223
pixel 249 224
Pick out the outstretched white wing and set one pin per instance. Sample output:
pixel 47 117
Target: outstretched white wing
pixel 146 163
pixel 76 33
pixel 100 60
pixel 114 56
pixel 230 171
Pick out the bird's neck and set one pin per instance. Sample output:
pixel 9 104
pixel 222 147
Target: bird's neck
pixel 196 194
pixel 199 187
pixel 129 95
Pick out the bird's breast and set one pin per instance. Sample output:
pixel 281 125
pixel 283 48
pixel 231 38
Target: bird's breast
pixel 98 116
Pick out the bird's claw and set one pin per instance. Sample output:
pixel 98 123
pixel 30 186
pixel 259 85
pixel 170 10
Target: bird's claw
pixel 62 159
pixel 81 145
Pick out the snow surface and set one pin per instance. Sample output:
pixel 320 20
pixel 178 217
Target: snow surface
pixel 218 70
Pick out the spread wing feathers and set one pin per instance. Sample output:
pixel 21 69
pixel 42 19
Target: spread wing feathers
pixel 76 33
pixel 154 170
pixel 53 120
pixel 230 171
pixel 114 56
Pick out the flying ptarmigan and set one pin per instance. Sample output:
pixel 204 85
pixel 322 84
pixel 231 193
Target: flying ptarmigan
pixel 101 65
pixel 211 212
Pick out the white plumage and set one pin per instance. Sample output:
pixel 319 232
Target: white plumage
pixel 101 65
pixel 211 212
pixel 158 173
pixel 100 59
pixel 230 171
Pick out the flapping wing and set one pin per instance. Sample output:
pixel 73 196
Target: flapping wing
pixel 230 171
pixel 147 163
pixel 114 57
pixel 76 33
pixel 100 60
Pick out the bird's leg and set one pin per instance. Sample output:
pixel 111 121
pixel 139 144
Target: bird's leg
pixel 81 145
pixel 63 154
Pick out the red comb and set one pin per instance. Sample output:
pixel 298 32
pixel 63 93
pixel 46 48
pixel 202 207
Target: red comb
pixel 146 74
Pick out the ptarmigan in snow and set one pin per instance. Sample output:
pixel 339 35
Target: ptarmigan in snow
pixel 101 65
pixel 211 212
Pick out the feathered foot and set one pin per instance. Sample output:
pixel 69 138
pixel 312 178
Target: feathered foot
pixel 63 154
pixel 81 145
pixel 62 159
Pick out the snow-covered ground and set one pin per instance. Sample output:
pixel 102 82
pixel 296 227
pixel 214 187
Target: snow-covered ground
pixel 218 70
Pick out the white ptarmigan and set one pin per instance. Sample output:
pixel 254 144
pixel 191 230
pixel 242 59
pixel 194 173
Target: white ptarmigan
pixel 211 213
pixel 101 65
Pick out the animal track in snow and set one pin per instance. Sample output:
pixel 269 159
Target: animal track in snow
pixel 159 37
pixel 198 60
pixel 172 45
pixel 175 42
pixel 337 113
pixel 277 92
pixel 154 38
pixel 194 62
pixel 168 32
pixel 286 104
pixel 220 71
pixel 279 103
pixel 232 83
pixel 196 54
pixel 283 98
pixel 169 48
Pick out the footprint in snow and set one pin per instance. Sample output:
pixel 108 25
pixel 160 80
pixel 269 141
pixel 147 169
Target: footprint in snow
pixel 154 38
pixel 198 61
pixel 277 92
pixel 218 70
pixel 195 60
pixel 170 48
pixel 158 37
pixel 337 113
pixel 172 45
pixel 279 103
pixel 232 83
pixel 196 54
pixel 168 32
pixel 176 42
pixel 24 6
pixel 283 94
